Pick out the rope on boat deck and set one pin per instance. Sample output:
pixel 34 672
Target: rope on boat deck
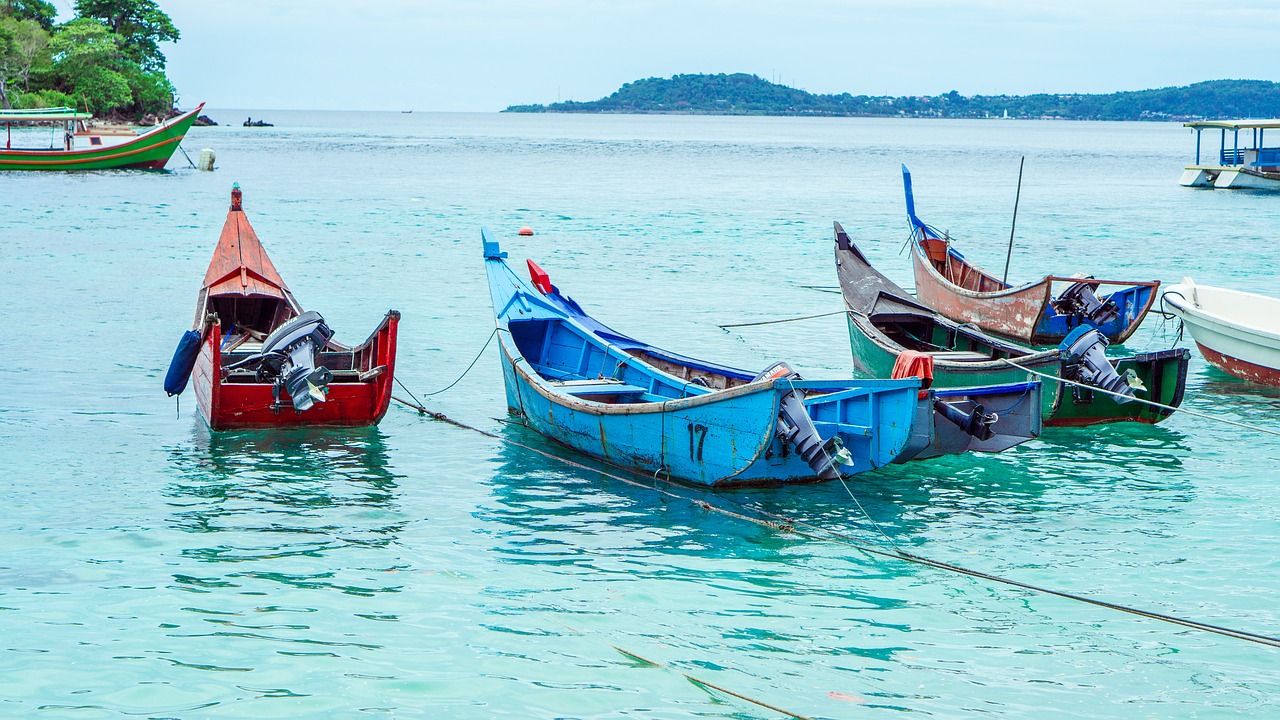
pixel 1162 406
pixel 811 531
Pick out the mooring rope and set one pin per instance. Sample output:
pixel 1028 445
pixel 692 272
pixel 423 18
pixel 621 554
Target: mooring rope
pixel 816 532
pixel 784 320
pixel 1206 416
pixel 474 360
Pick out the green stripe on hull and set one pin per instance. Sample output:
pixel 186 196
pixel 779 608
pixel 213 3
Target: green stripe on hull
pixel 148 151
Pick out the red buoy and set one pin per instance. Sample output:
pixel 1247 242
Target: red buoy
pixel 526 230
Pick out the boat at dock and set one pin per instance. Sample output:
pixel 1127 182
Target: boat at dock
pixel 258 360
pixel 1251 166
pixel 885 322
pixel 82 147
pixel 1043 312
pixel 615 398
pixel 1236 331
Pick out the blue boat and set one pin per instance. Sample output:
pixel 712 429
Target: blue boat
pixel 1040 313
pixel 634 405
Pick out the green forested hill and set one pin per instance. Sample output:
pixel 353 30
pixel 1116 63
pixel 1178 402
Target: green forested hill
pixel 742 94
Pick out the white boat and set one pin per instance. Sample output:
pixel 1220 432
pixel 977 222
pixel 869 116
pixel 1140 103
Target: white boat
pixel 1252 165
pixel 1238 332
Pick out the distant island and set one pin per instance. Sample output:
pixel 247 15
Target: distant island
pixel 743 94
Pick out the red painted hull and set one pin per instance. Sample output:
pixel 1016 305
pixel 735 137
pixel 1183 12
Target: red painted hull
pixel 235 405
pixel 1242 369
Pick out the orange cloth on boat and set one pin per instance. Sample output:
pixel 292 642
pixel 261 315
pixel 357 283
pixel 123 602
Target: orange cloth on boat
pixel 914 364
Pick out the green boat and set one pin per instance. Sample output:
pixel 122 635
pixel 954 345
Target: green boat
pixel 885 322
pixel 83 148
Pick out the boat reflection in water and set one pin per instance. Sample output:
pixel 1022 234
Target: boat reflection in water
pixel 307 508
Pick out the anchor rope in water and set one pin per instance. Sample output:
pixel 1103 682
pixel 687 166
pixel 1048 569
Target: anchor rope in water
pixel 816 532
pixel 1162 406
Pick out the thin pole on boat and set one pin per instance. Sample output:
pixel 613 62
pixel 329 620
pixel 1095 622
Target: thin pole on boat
pixel 1016 198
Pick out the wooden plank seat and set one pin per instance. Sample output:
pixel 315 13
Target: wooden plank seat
pixel 596 388
pixel 960 356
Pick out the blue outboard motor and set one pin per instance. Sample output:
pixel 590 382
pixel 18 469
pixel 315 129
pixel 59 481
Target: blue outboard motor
pixel 1084 359
pixel 289 356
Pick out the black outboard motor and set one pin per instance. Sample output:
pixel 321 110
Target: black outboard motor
pixel 1081 305
pixel 1084 359
pixel 977 423
pixel 795 427
pixel 289 356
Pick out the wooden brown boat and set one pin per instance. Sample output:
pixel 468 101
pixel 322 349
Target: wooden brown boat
pixel 258 360
pixel 1030 313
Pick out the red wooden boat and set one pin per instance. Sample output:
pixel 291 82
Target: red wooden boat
pixel 264 362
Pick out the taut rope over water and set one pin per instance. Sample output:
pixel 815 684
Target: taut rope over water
pixel 815 532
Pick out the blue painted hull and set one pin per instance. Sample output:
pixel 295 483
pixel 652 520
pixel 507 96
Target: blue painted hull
pixel 607 396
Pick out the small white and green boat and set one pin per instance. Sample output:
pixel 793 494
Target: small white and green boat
pixel 79 147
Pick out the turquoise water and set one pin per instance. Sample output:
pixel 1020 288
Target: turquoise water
pixel 149 568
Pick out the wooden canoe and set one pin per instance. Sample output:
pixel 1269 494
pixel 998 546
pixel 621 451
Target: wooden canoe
pixel 1236 331
pixel 885 321
pixel 1030 313
pixel 242 301
pixel 627 403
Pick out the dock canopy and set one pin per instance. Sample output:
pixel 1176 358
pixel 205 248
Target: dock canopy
pixel 42 115
pixel 1234 124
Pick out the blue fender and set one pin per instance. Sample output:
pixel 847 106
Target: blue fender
pixel 184 361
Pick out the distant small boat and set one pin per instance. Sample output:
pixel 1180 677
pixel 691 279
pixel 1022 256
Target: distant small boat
pixel 250 122
pixel 406 112
pixel 1030 313
pixel 1251 165
pixel 885 322
pixel 85 148
pixel 1236 331
pixel 624 401
pixel 258 360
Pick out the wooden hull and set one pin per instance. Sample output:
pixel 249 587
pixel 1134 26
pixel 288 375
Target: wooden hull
pixel 677 418
pixel 1163 374
pixel 723 439
pixel 230 405
pixel 1237 332
pixel 150 150
pixel 1023 313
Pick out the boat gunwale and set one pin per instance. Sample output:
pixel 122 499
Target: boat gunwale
pixel 919 259
pixel 1175 297
pixel 548 391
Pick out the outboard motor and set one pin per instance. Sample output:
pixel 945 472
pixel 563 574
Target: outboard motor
pixel 795 427
pixel 977 423
pixel 289 356
pixel 1084 359
pixel 1080 303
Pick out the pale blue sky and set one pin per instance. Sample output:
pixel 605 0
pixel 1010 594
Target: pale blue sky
pixel 482 55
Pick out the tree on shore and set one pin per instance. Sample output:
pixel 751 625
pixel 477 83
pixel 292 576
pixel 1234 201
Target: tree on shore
pixel 141 24
pixel 107 59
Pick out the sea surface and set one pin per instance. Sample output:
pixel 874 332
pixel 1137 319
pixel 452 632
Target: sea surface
pixel 152 569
